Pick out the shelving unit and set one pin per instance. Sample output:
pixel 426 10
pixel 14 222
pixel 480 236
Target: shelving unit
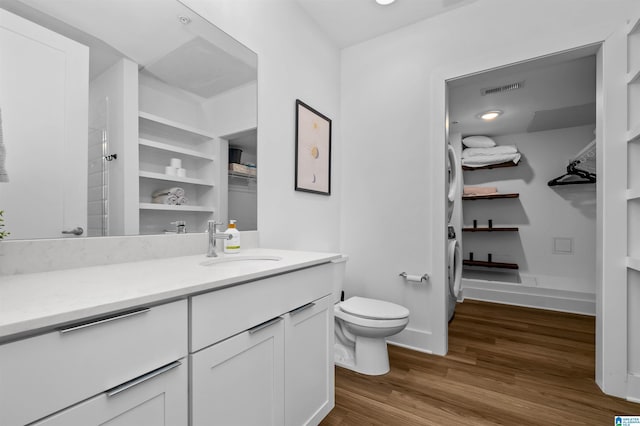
pixel 160 140
pixel 490 196
pixel 492 229
pixel 491 166
pixel 486 264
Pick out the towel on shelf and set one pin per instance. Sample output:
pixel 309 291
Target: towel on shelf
pixel 496 150
pixel 479 190
pixel 487 160
pixel 4 176
pixel 178 192
pixel 170 199
pixel 182 200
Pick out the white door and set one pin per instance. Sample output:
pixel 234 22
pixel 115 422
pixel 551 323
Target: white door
pixel 309 371
pixel 159 398
pixel 44 106
pixel 240 381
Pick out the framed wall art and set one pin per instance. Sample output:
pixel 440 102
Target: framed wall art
pixel 313 150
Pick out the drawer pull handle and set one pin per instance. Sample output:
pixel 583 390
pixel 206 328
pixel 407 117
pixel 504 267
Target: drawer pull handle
pixel 264 325
pixel 155 373
pixel 302 308
pixel 105 320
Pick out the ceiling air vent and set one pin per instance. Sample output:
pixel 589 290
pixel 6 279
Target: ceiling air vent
pixel 502 89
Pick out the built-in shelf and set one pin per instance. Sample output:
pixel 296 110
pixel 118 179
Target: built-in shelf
pixel 491 166
pixel 181 208
pixel 633 263
pixel 171 178
pixel 633 77
pixel 174 149
pixel 633 194
pixel 486 264
pixel 492 229
pixel 633 135
pixel 490 196
pixel 242 176
pixel 167 125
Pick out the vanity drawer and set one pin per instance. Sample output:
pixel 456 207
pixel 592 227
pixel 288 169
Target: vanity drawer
pixel 222 313
pixel 43 374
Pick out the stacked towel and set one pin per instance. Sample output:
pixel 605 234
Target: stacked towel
pixel 172 196
pixel 480 190
pixel 478 157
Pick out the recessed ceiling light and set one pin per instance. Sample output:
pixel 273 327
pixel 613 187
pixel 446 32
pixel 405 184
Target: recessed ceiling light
pixel 384 2
pixel 490 115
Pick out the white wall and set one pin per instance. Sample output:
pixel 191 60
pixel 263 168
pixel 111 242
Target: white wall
pixel 542 213
pixel 234 110
pixel 295 61
pixel 393 155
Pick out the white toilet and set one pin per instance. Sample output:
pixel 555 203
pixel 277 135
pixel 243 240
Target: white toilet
pixel 361 328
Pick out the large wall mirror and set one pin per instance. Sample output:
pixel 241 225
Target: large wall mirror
pixel 123 117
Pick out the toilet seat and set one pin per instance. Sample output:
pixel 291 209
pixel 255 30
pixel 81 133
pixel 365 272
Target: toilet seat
pixel 367 322
pixel 373 309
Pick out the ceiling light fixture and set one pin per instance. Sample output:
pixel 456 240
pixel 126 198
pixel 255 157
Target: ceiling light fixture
pixel 490 115
pixel 384 2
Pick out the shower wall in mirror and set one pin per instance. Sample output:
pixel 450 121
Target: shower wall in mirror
pixel 117 117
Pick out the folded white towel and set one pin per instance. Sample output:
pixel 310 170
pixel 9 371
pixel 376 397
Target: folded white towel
pixel 178 192
pixel 496 150
pixel 486 160
pixel 170 199
pixel 182 200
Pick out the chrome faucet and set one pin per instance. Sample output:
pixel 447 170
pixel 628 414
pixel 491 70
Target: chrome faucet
pixel 213 236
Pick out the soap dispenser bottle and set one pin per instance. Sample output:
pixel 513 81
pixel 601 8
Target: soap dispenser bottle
pixel 232 245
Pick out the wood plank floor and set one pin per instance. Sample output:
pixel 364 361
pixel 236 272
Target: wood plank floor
pixel 506 366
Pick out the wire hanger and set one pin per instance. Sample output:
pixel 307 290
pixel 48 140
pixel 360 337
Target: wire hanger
pixel 572 170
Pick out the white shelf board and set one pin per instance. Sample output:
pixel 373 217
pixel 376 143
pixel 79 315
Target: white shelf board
pixel 175 124
pixel 634 26
pixel 633 135
pixel 633 263
pixel 176 149
pixel 633 194
pixel 181 208
pixel 633 77
pixel 170 178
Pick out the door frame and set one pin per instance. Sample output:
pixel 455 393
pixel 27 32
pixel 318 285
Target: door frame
pixel 611 304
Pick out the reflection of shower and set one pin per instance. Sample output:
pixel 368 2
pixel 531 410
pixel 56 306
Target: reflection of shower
pixel 98 169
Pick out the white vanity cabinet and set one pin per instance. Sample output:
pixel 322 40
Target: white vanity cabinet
pixel 309 371
pixel 47 373
pixel 157 398
pixel 262 351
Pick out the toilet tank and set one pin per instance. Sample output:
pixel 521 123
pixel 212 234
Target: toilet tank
pixel 339 268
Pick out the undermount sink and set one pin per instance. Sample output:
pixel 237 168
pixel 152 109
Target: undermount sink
pixel 236 258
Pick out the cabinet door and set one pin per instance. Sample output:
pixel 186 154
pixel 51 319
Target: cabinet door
pixel 240 381
pixel 159 398
pixel 309 371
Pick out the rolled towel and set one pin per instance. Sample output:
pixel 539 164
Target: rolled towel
pixel 496 150
pixel 479 190
pixel 170 199
pixel 178 192
pixel 182 200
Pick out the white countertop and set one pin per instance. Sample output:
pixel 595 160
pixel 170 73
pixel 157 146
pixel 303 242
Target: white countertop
pixel 32 302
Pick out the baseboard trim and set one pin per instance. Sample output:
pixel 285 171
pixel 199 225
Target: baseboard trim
pixel 531 297
pixel 410 338
pixel 633 388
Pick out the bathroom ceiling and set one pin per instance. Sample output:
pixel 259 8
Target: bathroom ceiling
pixel 348 22
pixel 556 92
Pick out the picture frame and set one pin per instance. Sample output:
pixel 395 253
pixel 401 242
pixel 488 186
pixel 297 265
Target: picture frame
pixel 313 150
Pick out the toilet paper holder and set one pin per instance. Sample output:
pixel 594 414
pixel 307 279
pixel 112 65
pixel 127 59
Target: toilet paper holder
pixel 415 278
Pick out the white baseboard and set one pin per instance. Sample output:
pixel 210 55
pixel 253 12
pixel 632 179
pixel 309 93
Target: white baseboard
pixel 417 340
pixel 531 297
pixel 633 388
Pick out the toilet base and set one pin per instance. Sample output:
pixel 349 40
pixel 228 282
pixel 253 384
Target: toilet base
pixel 369 356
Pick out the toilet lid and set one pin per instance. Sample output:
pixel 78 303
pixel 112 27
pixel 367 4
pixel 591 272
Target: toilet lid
pixel 374 309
